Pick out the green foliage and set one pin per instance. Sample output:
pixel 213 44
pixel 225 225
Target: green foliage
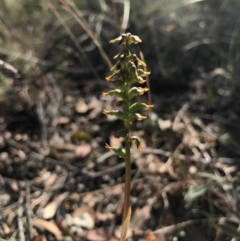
pixel 193 193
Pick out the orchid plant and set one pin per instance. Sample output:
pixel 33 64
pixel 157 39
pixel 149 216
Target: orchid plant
pixel 127 71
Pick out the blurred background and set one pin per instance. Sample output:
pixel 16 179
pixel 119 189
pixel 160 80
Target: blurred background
pixel 54 56
pixel 186 44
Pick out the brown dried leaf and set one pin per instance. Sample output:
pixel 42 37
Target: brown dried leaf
pixel 96 106
pixel 150 236
pixel 63 120
pixel 92 198
pixel 104 216
pixel 50 180
pixel 82 151
pixel 49 226
pixel 96 235
pixel 84 216
pixel 5 198
pixel 141 215
pixel 50 210
pixel 14 186
pixel 5 229
pixel 115 190
pixel 83 209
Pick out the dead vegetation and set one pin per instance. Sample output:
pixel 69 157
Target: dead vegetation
pixel 58 182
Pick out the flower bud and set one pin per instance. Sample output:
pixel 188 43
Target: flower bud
pixel 120 151
pixel 135 91
pixel 116 92
pixel 119 114
pixel 137 142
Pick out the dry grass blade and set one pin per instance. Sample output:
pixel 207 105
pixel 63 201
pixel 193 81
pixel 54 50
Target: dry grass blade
pixel 83 23
pixel 73 37
pixel 126 15
pixel 126 224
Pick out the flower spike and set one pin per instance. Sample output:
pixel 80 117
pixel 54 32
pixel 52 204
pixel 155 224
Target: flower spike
pixel 126 73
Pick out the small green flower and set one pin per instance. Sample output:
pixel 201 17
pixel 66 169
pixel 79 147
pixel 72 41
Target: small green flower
pixel 135 91
pixel 117 149
pixel 141 80
pixel 113 77
pixel 140 117
pixel 138 106
pixel 136 60
pixel 119 114
pixel 137 142
pixel 116 67
pixel 116 92
pixel 143 73
pixel 136 116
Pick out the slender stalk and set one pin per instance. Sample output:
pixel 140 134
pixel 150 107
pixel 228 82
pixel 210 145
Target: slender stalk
pixel 128 154
pixel 127 176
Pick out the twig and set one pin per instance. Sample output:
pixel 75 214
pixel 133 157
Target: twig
pixel 28 211
pixel 179 115
pixel 177 227
pixel 20 223
pixel 9 68
pixel 104 172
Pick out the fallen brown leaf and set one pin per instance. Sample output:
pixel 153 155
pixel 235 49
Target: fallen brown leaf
pixel 84 216
pixel 5 229
pixel 49 226
pixel 104 216
pixel 115 190
pixel 50 180
pixel 5 198
pixel 96 235
pixel 82 151
pixel 141 215
pixel 14 186
pixel 96 106
pixel 83 209
pixel 50 210
pixel 63 120
pixel 92 198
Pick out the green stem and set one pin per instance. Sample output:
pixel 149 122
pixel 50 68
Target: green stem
pixel 128 157
pixel 127 175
